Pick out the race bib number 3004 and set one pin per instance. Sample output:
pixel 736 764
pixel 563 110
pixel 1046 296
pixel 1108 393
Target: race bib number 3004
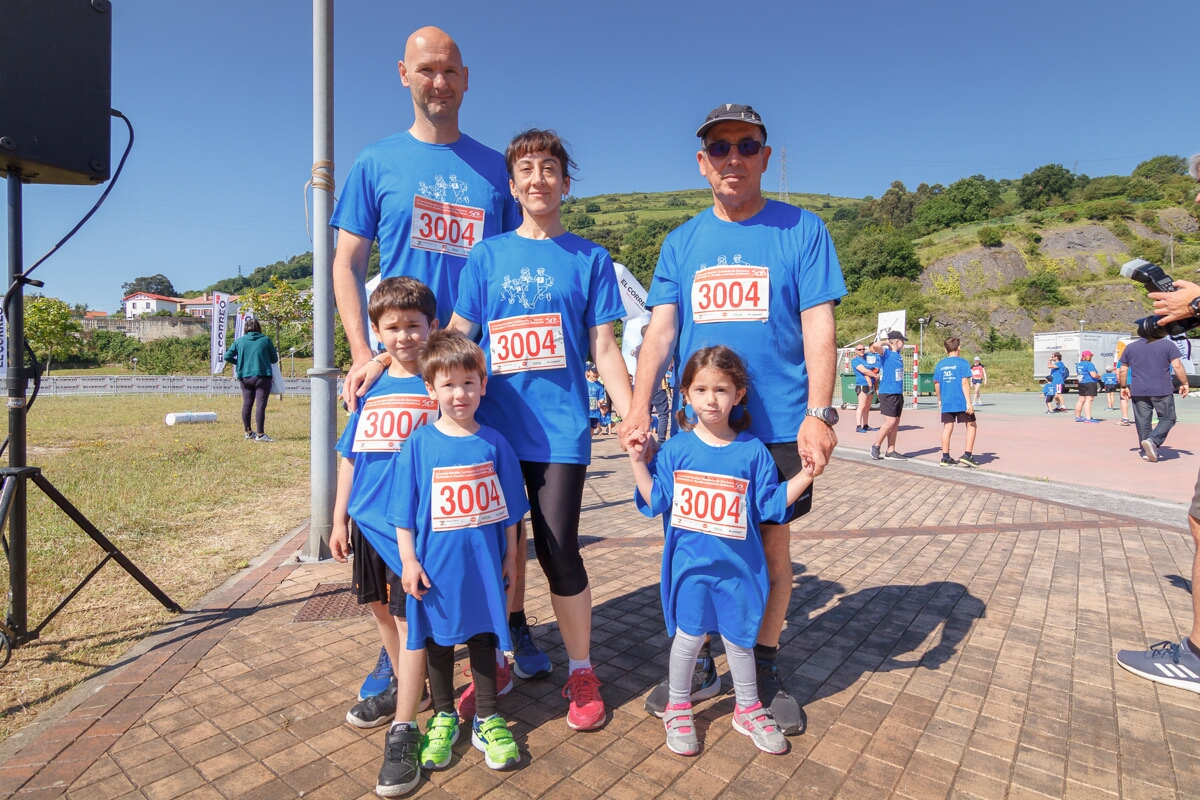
pixel 531 342
pixel 445 227
pixel 467 497
pixel 386 422
pixel 731 294
pixel 707 503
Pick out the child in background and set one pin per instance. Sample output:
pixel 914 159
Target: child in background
pixel 1109 379
pixel 952 384
pixel 403 312
pixel 719 484
pixel 1048 392
pixel 456 501
pixel 595 390
pixel 606 417
pixel 978 378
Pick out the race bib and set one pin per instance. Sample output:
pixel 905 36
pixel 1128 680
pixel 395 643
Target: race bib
pixel 445 227
pixel 532 342
pixel 466 497
pixel 730 294
pixel 708 503
pixel 900 374
pixel 386 421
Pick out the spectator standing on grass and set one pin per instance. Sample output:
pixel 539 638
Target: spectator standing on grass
pixel 252 355
pixel 1176 663
pixel 1089 385
pixel 978 378
pixel 1059 372
pixel 891 396
pixel 952 384
pixel 1150 389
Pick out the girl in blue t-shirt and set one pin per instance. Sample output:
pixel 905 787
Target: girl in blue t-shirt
pixel 719 484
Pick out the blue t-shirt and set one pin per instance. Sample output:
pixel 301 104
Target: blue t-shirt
pixel 1150 367
pixel 1059 373
pixel 1048 391
pixel 443 486
pixel 595 395
pixel 387 415
pixel 428 205
pixel 1109 379
pixel 1087 372
pixel 859 378
pixel 891 377
pixel 715 581
pixel 764 272
pixel 949 373
pixel 536 300
pixel 606 419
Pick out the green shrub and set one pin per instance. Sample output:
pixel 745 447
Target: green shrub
pixel 175 356
pixel 879 254
pixel 1107 209
pixel 592 208
pixel 995 341
pixel 1069 215
pixel 990 236
pixel 1040 288
pixel 1153 251
pixel 1147 216
pixel 1120 229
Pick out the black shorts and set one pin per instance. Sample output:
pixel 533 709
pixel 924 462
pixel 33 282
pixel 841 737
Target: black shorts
pixel 788 466
pixel 957 416
pixel 890 405
pixel 1088 389
pixel 373 580
pixel 864 389
pixel 1110 388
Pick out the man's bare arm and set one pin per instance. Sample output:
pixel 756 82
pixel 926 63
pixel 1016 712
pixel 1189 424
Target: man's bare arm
pixel 349 291
pixel 653 358
pixel 815 440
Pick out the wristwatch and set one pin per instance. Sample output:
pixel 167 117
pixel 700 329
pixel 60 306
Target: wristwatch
pixel 827 414
pixel 1195 306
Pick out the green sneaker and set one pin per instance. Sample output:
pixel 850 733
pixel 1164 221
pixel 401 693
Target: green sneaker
pixel 440 736
pixel 493 737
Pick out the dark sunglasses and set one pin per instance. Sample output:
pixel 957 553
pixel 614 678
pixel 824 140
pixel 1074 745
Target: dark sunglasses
pixel 745 148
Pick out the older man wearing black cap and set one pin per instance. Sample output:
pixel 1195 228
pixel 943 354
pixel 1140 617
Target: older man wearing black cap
pixel 761 277
pixel 891 397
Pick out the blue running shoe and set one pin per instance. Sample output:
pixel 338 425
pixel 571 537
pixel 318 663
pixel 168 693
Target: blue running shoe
pixel 379 678
pixel 528 660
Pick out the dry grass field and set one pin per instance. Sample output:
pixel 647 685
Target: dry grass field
pixel 190 504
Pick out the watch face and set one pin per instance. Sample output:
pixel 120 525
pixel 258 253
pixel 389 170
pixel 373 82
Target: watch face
pixel 831 416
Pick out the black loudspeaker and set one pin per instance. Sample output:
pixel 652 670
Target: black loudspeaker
pixel 56 89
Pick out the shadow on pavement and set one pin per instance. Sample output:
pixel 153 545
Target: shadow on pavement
pixel 1179 582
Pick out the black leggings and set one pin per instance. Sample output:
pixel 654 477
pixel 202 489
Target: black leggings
pixel 255 386
pixel 482 650
pixel 555 498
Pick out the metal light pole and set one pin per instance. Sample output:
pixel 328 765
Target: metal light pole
pixel 1081 325
pixel 292 354
pixel 922 336
pixel 135 366
pixel 323 375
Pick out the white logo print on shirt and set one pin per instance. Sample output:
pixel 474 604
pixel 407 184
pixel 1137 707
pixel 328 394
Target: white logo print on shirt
pixel 516 290
pixel 446 191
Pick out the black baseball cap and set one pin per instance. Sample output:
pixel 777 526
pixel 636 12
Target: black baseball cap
pixel 897 335
pixel 732 112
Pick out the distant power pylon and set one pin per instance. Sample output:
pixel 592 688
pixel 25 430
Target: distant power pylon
pixel 783 190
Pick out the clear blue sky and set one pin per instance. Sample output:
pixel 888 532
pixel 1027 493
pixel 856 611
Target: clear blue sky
pixel 861 93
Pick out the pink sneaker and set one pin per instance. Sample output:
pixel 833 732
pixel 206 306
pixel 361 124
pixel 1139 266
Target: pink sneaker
pixel 466 703
pixel 586 712
pixel 681 729
pixel 757 723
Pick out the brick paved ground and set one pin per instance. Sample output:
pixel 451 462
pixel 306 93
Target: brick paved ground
pixel 946 639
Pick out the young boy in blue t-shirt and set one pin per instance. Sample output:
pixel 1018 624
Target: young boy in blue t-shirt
pixel 456 500
pixel 952 384
pixel 403 312
pixel 595 390
pixel 1048 393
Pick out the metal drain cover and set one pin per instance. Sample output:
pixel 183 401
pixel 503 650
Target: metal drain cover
pixel 331 601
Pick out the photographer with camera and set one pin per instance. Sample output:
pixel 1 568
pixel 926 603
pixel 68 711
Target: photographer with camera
pixel 1176 663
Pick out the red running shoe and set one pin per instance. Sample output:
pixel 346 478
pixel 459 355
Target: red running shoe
pixel 586 712
pixel 466 703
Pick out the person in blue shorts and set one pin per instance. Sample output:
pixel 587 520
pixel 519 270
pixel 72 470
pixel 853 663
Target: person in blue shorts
pixel 952 384
pixel 455 501
pixel 1109 381
pixel 427 195
pixel 1089 386
pixel 1048 394
pixel 865 380
pixel 761 277
pixel 543 298
pixel 403 312
pixel 719 484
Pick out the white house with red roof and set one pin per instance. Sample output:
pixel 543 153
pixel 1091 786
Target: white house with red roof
pixel 141 303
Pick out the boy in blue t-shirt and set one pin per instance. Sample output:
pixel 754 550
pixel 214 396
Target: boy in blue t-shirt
pixel 595 390
pixel 457 498
pixel 1109 379
pixel 952 384
pixel 1048 393
pixel 403 312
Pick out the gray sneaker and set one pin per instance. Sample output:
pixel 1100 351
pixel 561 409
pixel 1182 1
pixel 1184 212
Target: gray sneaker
pixel 1166 662
pixel 705 684
pixel 892 455
pixel 757 723
pixel 1150 449
pixel 875 452
pixel 262 437
pixel 681 730
pixel 374 711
